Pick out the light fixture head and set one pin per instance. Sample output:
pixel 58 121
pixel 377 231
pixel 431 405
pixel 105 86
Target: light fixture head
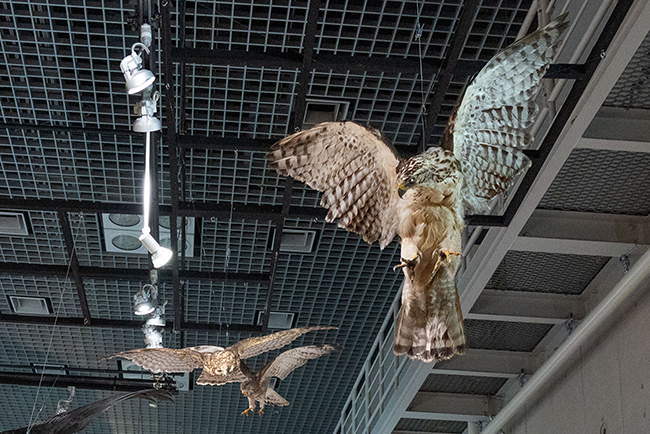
pixel 147 124
pixel 158 318
pixel 153 337
pixel 137 79
pixel 159 255
pixel 144 300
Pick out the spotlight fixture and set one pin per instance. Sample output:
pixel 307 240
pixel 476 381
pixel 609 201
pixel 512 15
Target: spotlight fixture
pixel 159 255
pixel 147 123
pixel 158 318
pixel 137 79
pixel 153 337
pixel 144 300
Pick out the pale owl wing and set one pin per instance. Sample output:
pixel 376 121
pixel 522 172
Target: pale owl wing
pixel 488 130
pixel 207 379
pixel 273 397
pixel 353 168
pixel 164 359
pixel 254 346
pixel 293 359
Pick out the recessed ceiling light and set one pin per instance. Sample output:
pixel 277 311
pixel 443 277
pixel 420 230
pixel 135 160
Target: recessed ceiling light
pixel 277 320
pixel 126 242
pixel 125 220
pixel 29 305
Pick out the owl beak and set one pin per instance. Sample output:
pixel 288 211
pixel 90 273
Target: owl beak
pixel 401 189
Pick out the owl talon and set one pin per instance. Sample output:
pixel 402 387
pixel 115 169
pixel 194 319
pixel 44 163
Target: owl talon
pixel 245 412
pixel 407 262
pixel 260 412
pixel 447 255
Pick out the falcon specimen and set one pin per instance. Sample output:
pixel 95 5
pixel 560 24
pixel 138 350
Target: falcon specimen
pixel 78 419
pixel 376 194
pixel 220 366
pixel 256 385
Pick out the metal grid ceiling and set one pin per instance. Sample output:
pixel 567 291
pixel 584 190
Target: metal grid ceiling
pixel 427 425
pixel 503 335
pixel 557 273
pixel 594 180
pixel 462 384
pixel 632 90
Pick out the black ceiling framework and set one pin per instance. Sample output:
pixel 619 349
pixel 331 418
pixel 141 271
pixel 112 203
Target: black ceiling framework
pixel 302 283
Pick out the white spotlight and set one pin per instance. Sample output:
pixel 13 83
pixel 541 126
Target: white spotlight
pixel 153 337
pixel 159 255
pixel 147 123
pixel 137 79
pixel 144 300
pixel 158 318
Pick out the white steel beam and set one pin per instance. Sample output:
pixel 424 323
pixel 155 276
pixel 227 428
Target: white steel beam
pixel 569 225
pixel 530 307
pixel 615 145
pixel 573 247
pixel 452 406
pixel 488 363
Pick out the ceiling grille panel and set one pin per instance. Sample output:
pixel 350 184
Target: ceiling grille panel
pixel 506 336
pixel 546 272
pixel 462 384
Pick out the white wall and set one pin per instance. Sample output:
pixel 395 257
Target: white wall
pixel 607 386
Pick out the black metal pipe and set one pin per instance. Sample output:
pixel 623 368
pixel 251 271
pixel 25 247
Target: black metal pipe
pixel 82 382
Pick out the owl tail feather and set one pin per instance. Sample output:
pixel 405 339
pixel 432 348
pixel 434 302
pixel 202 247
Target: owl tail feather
pixel 430 322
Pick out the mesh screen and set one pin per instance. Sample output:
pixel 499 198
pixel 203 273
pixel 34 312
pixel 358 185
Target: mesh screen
pixel 462 384
pixel 546 272
pixel 506 336
pixel 426 425
pixel 632 90
pixel 595 180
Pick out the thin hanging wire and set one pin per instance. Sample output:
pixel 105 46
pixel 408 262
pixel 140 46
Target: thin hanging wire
pixel 32 418
pixel 419 30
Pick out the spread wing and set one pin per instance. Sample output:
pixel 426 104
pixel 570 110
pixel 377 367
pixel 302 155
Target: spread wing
pixel 353 168
pixel 273 397
pixel 293 359
pixel 167 359
pixel 207 379
pixel 78 419
pixel 488 130
pixel 252 347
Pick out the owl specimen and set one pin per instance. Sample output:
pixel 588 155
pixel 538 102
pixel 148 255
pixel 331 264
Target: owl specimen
pixel 78 419
pixel 378 195
pixel 220 366
pixel 256 385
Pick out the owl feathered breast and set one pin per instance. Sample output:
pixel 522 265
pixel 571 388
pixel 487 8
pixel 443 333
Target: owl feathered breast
pixel 481 156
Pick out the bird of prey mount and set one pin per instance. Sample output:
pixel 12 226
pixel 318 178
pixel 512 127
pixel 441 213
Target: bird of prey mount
pixel 256 386
pixel 220 366
pixel 378 195
pixel 77 420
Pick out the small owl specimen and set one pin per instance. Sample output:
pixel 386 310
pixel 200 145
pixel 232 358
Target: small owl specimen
pixel 256 385
pixel 378 195
pixel 220 366
pixel 77 420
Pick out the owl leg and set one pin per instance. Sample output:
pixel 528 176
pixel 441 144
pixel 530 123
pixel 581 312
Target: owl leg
pixel 410 256
pixel 245 412
pixel 446 254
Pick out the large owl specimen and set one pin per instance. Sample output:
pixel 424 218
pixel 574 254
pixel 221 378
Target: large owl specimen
pixel 220 366
pixel 78 419
pixel 376 194
pixel 256 385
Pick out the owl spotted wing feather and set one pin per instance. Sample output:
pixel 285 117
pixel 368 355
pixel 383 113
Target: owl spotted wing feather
pixel 207 379
pixel 254 346
pixel 488 128
pixel 353 168
pixel 291 360
pixel 167 359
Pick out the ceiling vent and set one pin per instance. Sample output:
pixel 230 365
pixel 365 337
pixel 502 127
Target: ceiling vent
pixel 317 111
pixel 295 240
pixel 30 305
pixel 13 223
pixel 48 369
pixel 277 320
pixel 122 233
pixel 134 372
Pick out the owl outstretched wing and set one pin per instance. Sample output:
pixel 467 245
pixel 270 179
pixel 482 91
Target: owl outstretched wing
pixel 167 359
pixel 78 419
pixel 207 379
pixel 254 346
pixel 293 359
pixel 353 168
pixel 488 129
